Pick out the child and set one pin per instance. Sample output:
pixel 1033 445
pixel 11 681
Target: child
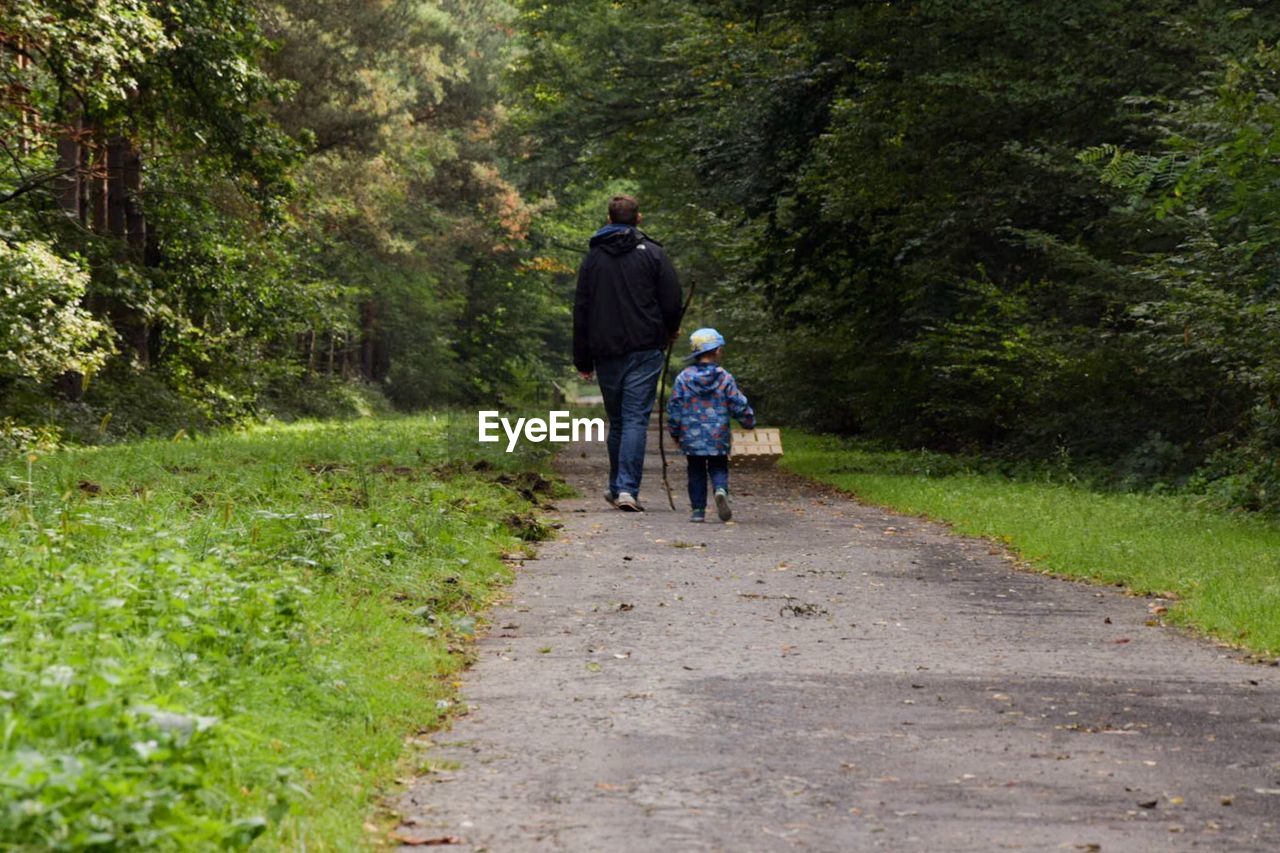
pixel 702 401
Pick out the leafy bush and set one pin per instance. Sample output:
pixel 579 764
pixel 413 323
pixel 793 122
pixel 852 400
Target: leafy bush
pixel 43 328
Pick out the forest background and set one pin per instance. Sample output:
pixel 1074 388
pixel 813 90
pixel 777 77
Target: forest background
pixel 1042 233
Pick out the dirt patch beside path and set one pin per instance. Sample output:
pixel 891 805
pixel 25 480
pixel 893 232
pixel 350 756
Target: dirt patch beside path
pixel 823 675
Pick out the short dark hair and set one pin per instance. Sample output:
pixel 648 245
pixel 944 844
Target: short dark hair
pixel 624 210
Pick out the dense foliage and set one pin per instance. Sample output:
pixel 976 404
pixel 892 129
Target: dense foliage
pixel 907 213
pixel 204 642
pixel 211 209
pixel 1006 226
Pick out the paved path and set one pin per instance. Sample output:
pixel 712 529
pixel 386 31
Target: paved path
pixel 823 675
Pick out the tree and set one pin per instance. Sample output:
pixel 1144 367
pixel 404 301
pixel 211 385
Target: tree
pixel 912 248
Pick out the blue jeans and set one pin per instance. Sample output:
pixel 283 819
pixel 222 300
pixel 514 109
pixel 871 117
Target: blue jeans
pixel 699 468
pixel 628 384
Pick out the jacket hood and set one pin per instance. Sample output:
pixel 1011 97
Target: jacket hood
pixel 705 378
pixel 619 239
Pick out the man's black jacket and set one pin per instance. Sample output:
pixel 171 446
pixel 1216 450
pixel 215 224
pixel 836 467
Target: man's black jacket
pixel 628 297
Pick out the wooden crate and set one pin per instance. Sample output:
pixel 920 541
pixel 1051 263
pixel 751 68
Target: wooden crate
pixel 756 443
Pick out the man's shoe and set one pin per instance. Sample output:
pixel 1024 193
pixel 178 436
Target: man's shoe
pixel 698 516
pixel 627 503
pixel 722 505
pixel 611 498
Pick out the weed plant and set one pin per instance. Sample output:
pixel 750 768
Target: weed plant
pixel 227 641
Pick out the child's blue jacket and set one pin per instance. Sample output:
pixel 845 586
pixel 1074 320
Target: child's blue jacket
pixel 703 399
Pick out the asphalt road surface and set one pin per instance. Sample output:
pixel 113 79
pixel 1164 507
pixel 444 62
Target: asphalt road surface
pixel 823 675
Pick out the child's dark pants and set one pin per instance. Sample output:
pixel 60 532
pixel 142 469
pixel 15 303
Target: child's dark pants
pixel 699 467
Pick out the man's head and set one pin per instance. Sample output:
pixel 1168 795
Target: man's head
pixel 624 210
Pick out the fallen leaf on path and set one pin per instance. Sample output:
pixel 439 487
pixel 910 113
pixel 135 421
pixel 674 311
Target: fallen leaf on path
pixel 1148 804
pixel 623 608
pixel 592 666
pixel 802 610
pixel 1120 641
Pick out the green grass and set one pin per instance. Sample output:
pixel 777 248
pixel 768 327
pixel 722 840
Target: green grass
pixel 1224 569
pixel 227 641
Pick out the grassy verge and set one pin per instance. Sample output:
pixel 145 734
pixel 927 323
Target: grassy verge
pixel 1223 569
pixel 227 641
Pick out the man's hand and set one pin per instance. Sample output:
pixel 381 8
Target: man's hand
pixel 587 375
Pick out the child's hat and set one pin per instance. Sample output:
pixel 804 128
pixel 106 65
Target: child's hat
pixel 704 340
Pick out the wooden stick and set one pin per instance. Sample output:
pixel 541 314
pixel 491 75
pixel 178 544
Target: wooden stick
pixel 662 393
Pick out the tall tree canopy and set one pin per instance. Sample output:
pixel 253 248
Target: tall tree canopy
pixel 219 207
pixel 893 202
pixel 1008 225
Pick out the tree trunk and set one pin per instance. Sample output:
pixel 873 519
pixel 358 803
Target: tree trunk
pixel 70 163
pixel 124 168
pixel 21 96
pixel 135 222
pixel 368 338
pixel 85 177
pixel 98 185
pixel 311 353
pixel 115 187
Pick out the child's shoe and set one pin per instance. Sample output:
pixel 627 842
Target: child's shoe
pixel 722 505
pixel 698 516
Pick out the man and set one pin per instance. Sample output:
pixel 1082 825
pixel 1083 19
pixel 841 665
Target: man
pixel 626 310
